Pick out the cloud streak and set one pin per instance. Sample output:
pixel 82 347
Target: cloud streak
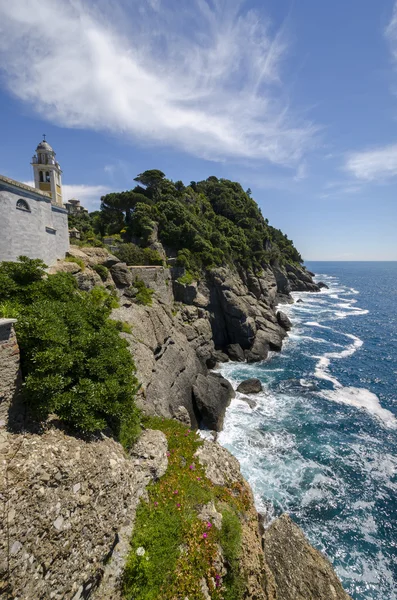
pixel 203 76
pixel 372 165
pixel 377 164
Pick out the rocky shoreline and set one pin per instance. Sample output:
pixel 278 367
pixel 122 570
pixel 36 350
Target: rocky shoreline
pixel 69 503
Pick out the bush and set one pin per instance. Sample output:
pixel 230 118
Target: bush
pixel 186 279
pixel 75 259
pixel 74 363
pixel 134 255
pixel 102 271
pixel 144 294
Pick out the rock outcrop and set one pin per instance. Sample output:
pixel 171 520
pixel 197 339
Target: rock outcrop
pixel 212 396
pixel 284 321
pixel 190 327
pixel 300 571
pixel 278 563
pixel 70 505
pixel 250 386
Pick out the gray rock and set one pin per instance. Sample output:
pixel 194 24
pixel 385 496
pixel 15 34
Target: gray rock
pixel 260 348
pixel 212 395
pixel 209 514
pixel 220 356
pixel 284 321
pixel 322 285
pixel 251 403
pixel 250 386
pixel 182 414
pixel 87 280
pixel 299 570
pixel 235 352
pixel 121 275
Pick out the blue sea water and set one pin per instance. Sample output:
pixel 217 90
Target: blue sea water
pixel 321 443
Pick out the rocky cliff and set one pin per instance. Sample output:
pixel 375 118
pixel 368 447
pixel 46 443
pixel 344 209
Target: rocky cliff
pixel 69 502
pixel 188 328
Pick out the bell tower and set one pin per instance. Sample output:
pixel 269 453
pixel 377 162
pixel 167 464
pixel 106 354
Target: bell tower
pixel 47 172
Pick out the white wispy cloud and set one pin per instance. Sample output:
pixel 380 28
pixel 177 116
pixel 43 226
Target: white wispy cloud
pixel 89 195
pixel 371 165
pixel 203 76
pixel 378 163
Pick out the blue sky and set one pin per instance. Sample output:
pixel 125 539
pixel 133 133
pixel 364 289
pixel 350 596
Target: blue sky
pixel 295 99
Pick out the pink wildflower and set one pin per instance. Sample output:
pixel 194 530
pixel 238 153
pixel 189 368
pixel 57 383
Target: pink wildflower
pixel 198 478
pixel 205 535
pixel 156 503
pixel 192 467
pixel 209 525
pixel 176 491
pixel 178 505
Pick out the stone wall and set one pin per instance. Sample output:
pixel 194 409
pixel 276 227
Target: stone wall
pixel 40 232
pixel 9 367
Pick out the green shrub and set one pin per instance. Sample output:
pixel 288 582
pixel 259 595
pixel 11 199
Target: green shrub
pixel 123 327
pixel 144 294
pixel 76 259
pixel 134 255
pixel 186 279
pixel 102 271
pixel 74 363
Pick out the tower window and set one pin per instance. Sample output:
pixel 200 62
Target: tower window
pixel 47 176
pixel 23 205
pixel 41 177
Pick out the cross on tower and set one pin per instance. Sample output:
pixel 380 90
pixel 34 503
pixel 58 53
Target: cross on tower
pixel 44 135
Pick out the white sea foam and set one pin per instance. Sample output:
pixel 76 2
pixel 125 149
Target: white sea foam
pixel 363 399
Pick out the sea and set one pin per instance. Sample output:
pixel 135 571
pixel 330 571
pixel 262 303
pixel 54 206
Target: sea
pixel 321 442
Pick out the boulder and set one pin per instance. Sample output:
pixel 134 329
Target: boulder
pixel 122 275
pixel 260 348
pixel 250 386
pixel 100 256
pixel 299 570
pixel 251 403
pixel 284 321
pixel 299 301
pixel 322 285
pixel 235 352
pixel 212 395
pixel 64 266
pixel 220 356
pixel 87 280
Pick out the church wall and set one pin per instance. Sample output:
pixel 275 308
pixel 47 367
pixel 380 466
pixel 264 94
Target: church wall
pixel 40 233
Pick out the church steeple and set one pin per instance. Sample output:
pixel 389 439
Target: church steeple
pixel 47 172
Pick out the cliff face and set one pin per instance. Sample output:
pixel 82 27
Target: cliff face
pixel 190 327
pixel 69 503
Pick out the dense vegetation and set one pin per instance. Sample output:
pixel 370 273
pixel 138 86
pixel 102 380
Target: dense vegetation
pixel 74 363
pixel 205 224
pixel 172 550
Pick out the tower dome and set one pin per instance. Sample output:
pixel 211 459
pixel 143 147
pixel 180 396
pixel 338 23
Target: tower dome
pixel 44 146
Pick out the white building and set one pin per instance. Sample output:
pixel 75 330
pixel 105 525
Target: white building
pixel 33 221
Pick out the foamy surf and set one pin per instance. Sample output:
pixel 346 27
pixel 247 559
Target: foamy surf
pixel 362 399
pixel 319 442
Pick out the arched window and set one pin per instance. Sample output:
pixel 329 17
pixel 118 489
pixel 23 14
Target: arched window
pixel 23 205
pixel 47 176
pixel 41 177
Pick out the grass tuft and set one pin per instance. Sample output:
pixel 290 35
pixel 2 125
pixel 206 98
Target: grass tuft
pixel 172 550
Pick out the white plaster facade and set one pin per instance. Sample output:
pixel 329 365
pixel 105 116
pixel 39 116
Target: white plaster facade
pixel 31 224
